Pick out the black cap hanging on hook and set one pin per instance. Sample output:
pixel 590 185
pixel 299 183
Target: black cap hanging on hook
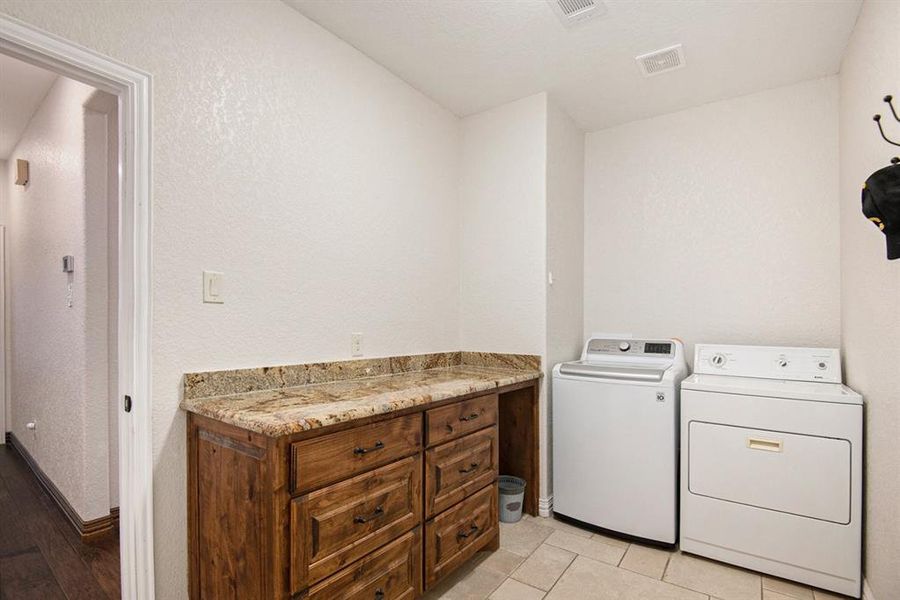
pixel 881 205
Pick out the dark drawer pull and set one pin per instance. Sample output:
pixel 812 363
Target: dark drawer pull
pixel 359 451
pixel 379 510
pixel 379 594
pixel 465 534
pixel 471 417
pixel 471 468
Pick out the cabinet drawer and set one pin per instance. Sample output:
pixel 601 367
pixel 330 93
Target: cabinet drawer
pixel 454 420
pixel 331 458
pixel 456 469
pixel 391 573
pixel 336 525
pixel 454 536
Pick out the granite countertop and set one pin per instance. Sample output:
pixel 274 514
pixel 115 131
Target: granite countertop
pixel 287 410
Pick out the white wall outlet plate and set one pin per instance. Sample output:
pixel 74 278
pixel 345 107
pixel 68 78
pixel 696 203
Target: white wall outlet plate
pixel 212 287
pixel 356 347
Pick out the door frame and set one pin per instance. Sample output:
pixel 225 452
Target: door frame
pixel 132 87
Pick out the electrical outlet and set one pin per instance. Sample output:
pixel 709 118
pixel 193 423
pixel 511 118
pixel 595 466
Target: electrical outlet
pixel 356 347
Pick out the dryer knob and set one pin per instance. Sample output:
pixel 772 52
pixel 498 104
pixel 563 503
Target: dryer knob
pixel 624 346
pixel 718 360
pixel 782 362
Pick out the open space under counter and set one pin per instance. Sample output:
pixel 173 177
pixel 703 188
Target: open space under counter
pixel 370 479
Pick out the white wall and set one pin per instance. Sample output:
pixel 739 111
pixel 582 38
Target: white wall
pixel 324 187
pixel 565 252
pixel 718 223
pixel 870 284
pixel 503 233
pixel 502 193
pixel 4 316
pixel 58 368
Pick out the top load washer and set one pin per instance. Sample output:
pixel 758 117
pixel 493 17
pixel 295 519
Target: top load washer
pixel 615 436
pixel 771 471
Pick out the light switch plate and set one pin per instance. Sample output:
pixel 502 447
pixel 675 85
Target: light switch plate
pixel 212 287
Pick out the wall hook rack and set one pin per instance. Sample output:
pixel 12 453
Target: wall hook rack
pixel 877 119
pixel 889 100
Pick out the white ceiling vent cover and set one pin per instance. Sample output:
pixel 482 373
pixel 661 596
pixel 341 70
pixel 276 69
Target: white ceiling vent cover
pixel 573 12
pixel 661 61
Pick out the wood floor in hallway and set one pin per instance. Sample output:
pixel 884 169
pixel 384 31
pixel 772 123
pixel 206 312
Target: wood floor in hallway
pixel 41 555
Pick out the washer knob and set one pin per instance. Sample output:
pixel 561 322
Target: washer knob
pixel 718 360
pixel 782 362
pixel 624 346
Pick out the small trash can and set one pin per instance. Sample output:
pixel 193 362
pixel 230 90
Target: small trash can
pixel 512 494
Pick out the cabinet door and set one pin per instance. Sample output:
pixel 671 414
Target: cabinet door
pixel 336 456
pixel 456 469
pixel 392 573
pixel 454 420
pixel 457 534
pixel 334 526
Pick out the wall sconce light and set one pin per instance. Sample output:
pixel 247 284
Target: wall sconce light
pixel 21 171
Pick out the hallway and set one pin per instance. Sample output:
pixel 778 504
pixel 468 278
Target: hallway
pixel 41 556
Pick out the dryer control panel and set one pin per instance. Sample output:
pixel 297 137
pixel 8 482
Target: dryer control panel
pixel 769 362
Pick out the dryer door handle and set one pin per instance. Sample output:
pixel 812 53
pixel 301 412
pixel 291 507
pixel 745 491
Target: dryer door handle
pixel 763 444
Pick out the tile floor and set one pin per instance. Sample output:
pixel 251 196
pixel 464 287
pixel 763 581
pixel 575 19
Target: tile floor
pixel 547 559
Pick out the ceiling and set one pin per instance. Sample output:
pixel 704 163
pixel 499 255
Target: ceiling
pixel 471 55
pixel 22 88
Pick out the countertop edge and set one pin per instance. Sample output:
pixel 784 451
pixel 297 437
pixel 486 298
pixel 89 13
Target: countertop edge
pixel 201 406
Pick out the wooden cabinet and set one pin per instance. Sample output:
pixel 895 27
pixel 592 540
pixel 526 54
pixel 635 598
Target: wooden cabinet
pixel 391 573
pixel 334 457
pixel 453 420
pixel 455 535
pixel 453 471
pixel 334 526
pixel 382 508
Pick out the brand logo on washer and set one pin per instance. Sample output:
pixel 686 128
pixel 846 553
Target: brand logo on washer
pixel 660 397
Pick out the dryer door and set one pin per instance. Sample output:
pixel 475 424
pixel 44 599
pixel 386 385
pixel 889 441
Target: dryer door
pixel 803 475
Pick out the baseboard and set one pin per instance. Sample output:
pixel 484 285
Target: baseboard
pixel 87 530
pixel 867 591
pixel 545 506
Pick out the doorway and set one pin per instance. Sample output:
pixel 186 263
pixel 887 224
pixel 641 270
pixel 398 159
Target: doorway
pixel 127 325
pixel 58 204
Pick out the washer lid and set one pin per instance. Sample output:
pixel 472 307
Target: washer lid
pixel 772 388
pixel 611 370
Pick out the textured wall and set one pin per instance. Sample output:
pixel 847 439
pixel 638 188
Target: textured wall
pixel 503 228
pixel 565 250
pixel 503 217
pixel 58 353
pixel 870 285
pixel 718 223
pixel 4 315
pixel 323 186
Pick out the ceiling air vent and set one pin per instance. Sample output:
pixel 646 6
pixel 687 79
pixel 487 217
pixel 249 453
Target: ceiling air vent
pixel 661 61
pixel 573 12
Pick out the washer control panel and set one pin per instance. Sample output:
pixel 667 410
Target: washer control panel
pixel 769 362
pixel 630 347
